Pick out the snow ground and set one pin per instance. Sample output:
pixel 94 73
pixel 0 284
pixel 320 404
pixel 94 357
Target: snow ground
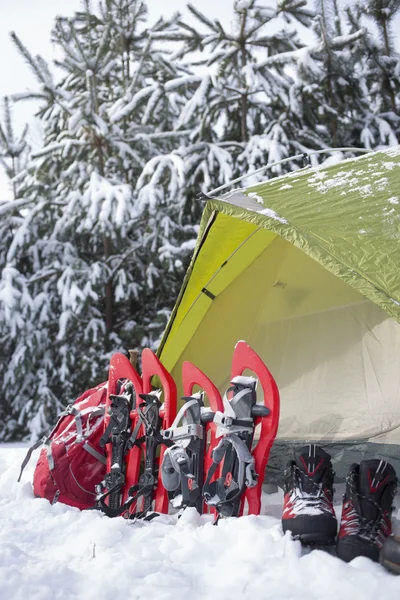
pixel 57 552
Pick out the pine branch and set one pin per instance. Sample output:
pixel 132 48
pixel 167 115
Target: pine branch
pixel 340 42
pixel 202 18
pixel 140 65
pixel 28 57
pixel 9 173
pixel 11 206
pixel 56 146
pixel 21 96
pixel 3 138
pixel 103 45
pixel 8 121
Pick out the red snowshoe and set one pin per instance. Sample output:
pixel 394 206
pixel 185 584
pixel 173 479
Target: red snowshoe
pixel 243 463
pixel 121 416
pixel 133 434
pixel 187 460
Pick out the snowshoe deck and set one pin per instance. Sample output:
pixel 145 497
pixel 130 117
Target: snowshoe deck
pixel 152 367
pixel 120 417
pixel 241 465
pixel 186 463
pixel 244 357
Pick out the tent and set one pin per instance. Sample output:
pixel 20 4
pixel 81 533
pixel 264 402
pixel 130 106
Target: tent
pixel 305 268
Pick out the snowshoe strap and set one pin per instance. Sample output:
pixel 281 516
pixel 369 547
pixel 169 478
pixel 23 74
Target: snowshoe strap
pixel 189 430
pixel 133 440
pixel 237 416
pixel 118 421
pixel 228 425
pixel 224 491
pixel 149 417
pixel 135 493
pixel 175 462
pixel 182 464
pixel 116 434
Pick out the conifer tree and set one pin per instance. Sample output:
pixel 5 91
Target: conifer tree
pixel 95 243
pixel 96 261
pixel 332 93
pixel 13 148
pixel 244 96
pixel 264 95
pixel 380 72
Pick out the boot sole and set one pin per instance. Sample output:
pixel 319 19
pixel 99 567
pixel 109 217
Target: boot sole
pixel 312 539
pixel 312 530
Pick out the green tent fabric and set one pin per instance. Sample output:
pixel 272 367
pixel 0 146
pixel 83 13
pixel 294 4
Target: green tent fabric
pixel 304 267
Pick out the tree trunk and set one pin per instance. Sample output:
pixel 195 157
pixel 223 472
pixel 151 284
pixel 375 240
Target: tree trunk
pixel 107 245
pixel 244 101
pixel 384 24
pixel 108 289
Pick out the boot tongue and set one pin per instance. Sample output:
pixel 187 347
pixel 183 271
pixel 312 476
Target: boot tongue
pixel 312 460
pixel 374 475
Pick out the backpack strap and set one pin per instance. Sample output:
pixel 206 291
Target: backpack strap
pixel 69 410
pixel 78 414
pixel 50 458
pixel 78 420
pixel 100 457
pixel 44 440
pixel 27 458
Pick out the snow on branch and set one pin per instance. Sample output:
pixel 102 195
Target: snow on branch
pixel 126 105
pixel 161 170
pixel 306 54
pixel 197 100
pixel 106 203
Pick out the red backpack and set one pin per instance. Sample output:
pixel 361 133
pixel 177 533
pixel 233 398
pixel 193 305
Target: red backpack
pixel 72 462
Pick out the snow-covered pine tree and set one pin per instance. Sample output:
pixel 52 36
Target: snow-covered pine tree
pixel 240 114
pixel 92 266
pixel 379 71
pixel 13 155
pixel 332 96
pixel 263 94
pixel 13 147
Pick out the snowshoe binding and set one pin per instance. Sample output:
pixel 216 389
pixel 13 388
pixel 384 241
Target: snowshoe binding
pixel 244 357
pixel 367 510
pixel 152 367
pixel 236 425
pixel 308 497
pixel 150 423
pixel 182 470
pixel 116 434
pixel 132 459
pixel 123 387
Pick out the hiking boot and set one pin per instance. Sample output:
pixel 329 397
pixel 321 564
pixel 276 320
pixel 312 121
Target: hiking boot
pixel 308 510
pixel 367 510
